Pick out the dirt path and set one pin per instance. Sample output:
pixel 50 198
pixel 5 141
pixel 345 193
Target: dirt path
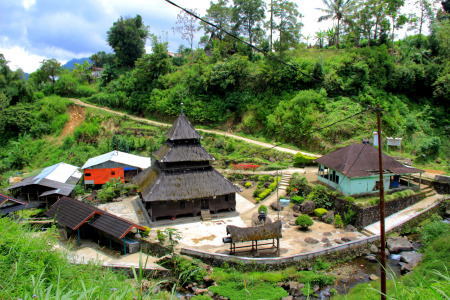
pixel 76 117
pixel 218 132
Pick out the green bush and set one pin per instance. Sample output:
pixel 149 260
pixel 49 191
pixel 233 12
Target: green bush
pixel 319 196
pixel 257 199
pixel 248 184
pixel 249 290
pixel 301 160
pixel 264 194
pixel 297 200
pixel 304 221
pixel 338 223
pixel 433 230
pixel 262 208
pixel 146 232
pixel 320 212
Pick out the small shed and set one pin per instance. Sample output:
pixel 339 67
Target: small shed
pixel 88 221
pixel 354 170
pixel 114 164
pixel 48 185
pixel 9 205
pixel 271 231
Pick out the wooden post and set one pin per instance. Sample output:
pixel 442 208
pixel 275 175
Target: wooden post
pixel 420 180
pixel 79 238
pixel 124 247
pixel 382 211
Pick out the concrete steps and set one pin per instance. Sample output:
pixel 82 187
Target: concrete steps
pixel 206 215
pixel 428 191
pixel 284 182
pixel 367 232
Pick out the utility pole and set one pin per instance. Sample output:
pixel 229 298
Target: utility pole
pixel 382 211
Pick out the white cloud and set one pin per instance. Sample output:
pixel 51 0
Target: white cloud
pixel 18 57
pixel 28 3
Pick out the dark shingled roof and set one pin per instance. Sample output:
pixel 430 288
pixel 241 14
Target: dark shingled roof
pixel 156 185
pixel 245 234
pixel 176 152
pixel 73 213
pixel 7 207
pixel 182 129
pixel 361 160
pixel 112 225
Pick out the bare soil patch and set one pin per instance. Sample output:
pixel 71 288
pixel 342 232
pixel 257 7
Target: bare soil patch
pixel 77 115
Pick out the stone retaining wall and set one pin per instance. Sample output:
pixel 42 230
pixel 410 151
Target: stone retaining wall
pixel 307 260
pixel 441 187
pixel 371 214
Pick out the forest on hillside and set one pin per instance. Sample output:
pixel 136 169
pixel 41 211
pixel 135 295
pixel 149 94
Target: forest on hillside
pixel 284 94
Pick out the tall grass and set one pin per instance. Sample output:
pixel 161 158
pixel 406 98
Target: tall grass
pixel 32 269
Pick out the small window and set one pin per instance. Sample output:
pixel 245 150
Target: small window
pixel 87 174
pixel 226 198
pixel 182 204
pixel 113 172
pixel 337 179
pixel 377 186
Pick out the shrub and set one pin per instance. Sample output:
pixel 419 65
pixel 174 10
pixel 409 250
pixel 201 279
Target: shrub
pixel 338 221
pixel 301 160
pixel 248 184
pixel 299 184
pixel 304 221
pixel 146 232
pixel 249 290
pixel 264 194
pixel 320 212
pixel 433 230
pixel 257 199
pixel 262 208
pixel 319 196
pixel 297 200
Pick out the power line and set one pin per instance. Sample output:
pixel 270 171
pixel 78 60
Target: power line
pixel 245 42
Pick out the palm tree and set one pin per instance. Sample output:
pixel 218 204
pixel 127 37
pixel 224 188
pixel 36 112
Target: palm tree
pixel 320 36
pixel 337 10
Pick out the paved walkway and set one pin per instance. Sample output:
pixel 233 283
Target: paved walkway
pixel 398 218
pixel 218 132
pixel 90 252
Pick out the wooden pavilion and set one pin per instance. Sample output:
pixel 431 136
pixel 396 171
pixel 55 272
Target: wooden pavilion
pixel 181 180
pixel 271 231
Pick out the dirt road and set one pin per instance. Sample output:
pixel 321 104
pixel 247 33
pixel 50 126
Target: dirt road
pixel 218 132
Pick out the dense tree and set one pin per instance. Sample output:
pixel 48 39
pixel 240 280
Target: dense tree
pixel 287 24
pixel 393 10
pixel 187 25
pixel 339 10
pixel 219 14
pixel 446 5
pixel 50 69
pixel 127 38
pixel 248 15
pixel 101 58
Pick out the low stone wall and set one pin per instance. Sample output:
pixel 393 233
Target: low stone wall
pixel 307 260
pixel 371 214
pixel 441 187
pixel 301 261
pixel 153 249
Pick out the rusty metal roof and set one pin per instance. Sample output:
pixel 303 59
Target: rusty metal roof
pixel 361 160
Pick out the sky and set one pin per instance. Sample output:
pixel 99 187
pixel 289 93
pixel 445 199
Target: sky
pixel 34 30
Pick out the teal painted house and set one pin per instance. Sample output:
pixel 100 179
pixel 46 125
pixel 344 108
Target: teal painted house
pixel 354 170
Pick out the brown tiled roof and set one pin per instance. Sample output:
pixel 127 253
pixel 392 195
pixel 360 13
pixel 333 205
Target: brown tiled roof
pixel 182 129
pixel 245 234
pixel 361 160
pixel 157 185
pixel 9 204
pixel 182 151
pixel 73 213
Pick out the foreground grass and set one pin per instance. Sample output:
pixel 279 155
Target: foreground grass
pixel 31 270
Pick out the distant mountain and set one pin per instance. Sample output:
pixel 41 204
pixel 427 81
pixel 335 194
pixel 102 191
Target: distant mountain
pixel 71 63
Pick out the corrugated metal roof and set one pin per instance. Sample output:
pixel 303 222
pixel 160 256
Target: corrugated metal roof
pixel 61 176
pixel 119 157
pixel 361 160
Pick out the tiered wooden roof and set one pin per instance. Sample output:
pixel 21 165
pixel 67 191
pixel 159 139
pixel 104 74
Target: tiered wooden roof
pixel 181 169
pixel 9 204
